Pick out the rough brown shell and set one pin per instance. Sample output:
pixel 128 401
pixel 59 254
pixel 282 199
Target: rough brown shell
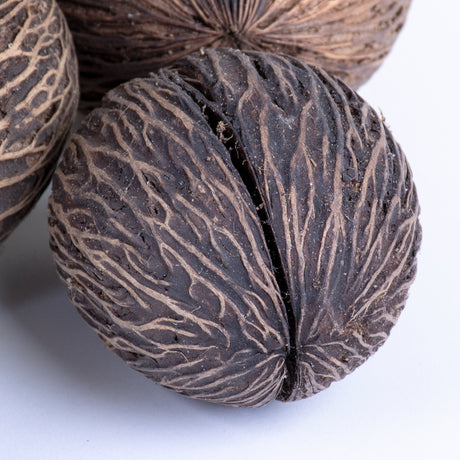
pixel 118 40
pixel 240 227
pixel 38 99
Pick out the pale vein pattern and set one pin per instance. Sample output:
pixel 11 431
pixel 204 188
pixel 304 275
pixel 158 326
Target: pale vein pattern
pixel 38 96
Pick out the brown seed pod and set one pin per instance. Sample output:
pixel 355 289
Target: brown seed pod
pixel 239 227
pixel 38 100
pixel 118 40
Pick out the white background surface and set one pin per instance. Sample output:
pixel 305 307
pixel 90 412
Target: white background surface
pixel 64 396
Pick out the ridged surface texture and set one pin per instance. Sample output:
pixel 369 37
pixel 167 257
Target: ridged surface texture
pixel 240 227
pixel 38 100
pixel 118 40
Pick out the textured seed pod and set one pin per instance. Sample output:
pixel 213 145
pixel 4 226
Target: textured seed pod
pixel 118 40
pixel 38 99
pixel 239 227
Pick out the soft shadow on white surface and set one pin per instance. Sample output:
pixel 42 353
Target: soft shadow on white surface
pixel 26 270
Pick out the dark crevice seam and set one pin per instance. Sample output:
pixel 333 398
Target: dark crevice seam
pixel 240 160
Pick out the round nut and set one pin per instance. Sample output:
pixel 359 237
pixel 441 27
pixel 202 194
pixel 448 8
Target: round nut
pixel 118 40
pixel 240 227
pixel 38 100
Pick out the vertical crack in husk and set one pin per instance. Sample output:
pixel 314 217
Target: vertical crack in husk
pixel 224 131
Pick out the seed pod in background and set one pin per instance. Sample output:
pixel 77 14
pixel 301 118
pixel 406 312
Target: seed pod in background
pixel 118 40
pixel 239 227
pixel 38 100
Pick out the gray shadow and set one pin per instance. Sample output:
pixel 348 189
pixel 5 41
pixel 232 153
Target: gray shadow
pixel 27 270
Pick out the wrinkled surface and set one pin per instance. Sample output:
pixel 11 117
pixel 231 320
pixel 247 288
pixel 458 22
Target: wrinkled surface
pixel 240 227
pixel 118 40
pixel 38 99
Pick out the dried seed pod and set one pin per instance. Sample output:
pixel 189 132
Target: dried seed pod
pixel 118 40
pixel 239 227
pixel 38 100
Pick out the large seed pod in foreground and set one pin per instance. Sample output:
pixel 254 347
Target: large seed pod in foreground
pixel 239 228
pixel 118 40
pixel 38 100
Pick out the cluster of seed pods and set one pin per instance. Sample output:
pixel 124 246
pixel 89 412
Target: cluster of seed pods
pixel 231 217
